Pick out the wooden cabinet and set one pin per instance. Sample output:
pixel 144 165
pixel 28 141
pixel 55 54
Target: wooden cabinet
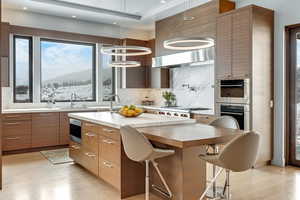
pixel 64 133
pixel 17 132
pixel 234 44
pixel 45 129
pixel 245 50
pixel 224 47
pixel 204 119
pixel 204 24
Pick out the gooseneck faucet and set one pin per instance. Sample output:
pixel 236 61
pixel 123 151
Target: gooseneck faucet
pixel 72 99
pixel 113 98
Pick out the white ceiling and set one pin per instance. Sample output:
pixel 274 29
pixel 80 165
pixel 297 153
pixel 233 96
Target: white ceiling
pixel 150 10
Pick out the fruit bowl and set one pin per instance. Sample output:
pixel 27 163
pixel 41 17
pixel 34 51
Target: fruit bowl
pixel 130 111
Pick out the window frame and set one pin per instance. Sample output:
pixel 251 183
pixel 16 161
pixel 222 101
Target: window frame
pixel 94 71
pixel 30 39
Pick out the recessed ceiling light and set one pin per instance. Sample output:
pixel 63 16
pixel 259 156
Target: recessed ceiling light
pixel 115 23
pixel 163 1
pixel 25 8
pixel 74 16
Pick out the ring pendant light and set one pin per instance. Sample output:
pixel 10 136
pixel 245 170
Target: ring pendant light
pixel 125 63
pixel 188 43
pixel 118 50
pixel 123 50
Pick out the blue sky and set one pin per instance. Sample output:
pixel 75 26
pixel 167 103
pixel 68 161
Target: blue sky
pixel 60 58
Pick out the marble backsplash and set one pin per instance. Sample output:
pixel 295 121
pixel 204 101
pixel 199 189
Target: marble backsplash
pixel 193 87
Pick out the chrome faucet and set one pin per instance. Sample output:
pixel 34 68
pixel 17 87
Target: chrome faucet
pixel 72 99
pixel 118 100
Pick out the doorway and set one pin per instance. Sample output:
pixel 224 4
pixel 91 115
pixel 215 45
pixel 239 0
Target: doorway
pixel 293 94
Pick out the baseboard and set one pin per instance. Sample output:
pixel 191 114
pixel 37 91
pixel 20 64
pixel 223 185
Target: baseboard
pixel 34 149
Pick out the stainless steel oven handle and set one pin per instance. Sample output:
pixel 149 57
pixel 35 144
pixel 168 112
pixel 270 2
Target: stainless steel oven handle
pixel 231 113
pixel 231 85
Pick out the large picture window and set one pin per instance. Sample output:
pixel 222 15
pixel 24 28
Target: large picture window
pixel 68 68
pixel 22 69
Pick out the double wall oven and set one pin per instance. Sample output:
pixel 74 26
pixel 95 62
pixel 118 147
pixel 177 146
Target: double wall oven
pixel 233 99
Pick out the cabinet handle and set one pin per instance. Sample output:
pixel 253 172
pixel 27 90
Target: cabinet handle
pixel 108 130
pixel 108 141
pixel 12 116
pixel 12 123
pixel 75 147
pixel 91 155
pixel 107 164
pixel 45 114
pixel 13 138
pixel 91 134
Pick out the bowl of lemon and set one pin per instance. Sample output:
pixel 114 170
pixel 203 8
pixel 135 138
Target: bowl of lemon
pixel 130 111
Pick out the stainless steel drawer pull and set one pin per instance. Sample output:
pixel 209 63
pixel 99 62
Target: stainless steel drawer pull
pixel 108 141
pixel 13 138
pixel 90 125
pixel 13 116
pixel 90 154
pixel 108 130
pixel 231 113
pixel 75 147
pixel 12 123
pixel 91 134
pixel 107 164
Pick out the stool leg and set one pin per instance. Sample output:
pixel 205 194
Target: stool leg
pixel 147 184
pixel 214 172
pixel 227 184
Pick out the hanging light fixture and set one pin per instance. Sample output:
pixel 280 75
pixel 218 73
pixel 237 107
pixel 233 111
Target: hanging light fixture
pixel 188 43
pixel 126 50
pixel 119 50
pixel 125 63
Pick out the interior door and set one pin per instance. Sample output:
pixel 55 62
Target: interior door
pixel 294 97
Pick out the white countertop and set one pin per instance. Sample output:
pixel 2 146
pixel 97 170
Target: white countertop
pixel 55 109
pixel 115 120
pixel 200 112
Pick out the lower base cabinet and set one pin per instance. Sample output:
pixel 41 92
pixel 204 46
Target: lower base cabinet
pixel 99 152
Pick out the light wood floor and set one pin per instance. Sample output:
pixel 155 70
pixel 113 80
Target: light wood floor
pixel 31 177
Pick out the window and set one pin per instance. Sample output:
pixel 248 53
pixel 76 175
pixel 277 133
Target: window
pixel 66 68
pixel 22 69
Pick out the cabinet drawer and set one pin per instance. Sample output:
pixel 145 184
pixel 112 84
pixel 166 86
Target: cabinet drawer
pixel 110 149
pixel 90 127
pixel 110 132
pixel 16 128
pixel 75 152
pixel 16 117
pixel 16 142
pixel 204 119
pixel 90 161
pixel 110 173
pixel 45 119
pixel 90 140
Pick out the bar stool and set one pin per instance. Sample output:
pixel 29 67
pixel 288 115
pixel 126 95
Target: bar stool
pixel 138 148
pixel 237 156
pixel 221 122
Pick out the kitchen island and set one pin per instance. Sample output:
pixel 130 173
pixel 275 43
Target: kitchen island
pixel 101 151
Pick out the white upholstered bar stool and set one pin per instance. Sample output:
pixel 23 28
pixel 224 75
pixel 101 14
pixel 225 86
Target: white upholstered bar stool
pixel 221 122
pixel 138 148
pixel 237 156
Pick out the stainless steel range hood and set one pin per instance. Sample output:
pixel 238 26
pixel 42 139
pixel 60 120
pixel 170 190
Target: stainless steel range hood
pixel 188 58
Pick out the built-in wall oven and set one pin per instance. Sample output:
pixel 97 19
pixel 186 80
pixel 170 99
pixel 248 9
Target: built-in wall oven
pixel 240 112
pixel 75 130
pixel 233 91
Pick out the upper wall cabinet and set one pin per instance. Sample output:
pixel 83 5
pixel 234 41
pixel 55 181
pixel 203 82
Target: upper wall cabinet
pixel 144 76
pixel 235 31
pixel 204 24
pixel 135 77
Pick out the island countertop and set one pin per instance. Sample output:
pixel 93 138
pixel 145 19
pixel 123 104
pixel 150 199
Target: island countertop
pixel 115 120
pixel 189 135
